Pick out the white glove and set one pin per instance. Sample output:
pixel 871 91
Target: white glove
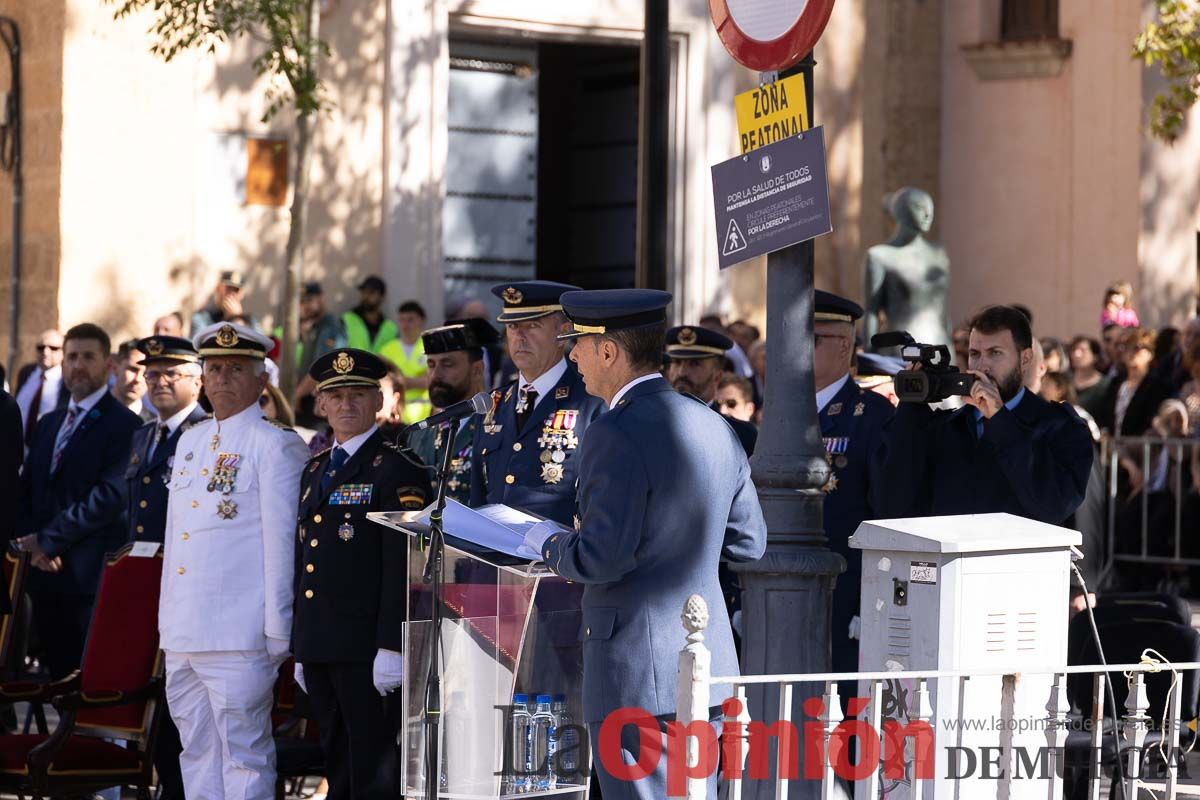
pixel 388 671
pixel 855 627
pixel 537 535
pixel 298 673
pixel 278 649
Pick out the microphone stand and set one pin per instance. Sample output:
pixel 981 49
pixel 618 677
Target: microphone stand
pixel 433 575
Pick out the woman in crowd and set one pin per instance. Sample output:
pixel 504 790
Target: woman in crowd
pixel 1135 400
pixel 1090 384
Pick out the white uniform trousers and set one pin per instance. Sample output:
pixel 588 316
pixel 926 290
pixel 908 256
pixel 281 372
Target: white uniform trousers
pixel 221 702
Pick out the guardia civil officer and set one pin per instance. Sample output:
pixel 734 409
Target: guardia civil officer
pixel 351 575
pixel 454 353
pixel 225 616
pixel 664 495
pixel 851 420
pixel 173 384
pixel 526 452
pixel 696 364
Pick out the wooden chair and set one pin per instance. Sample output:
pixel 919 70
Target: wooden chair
pixel 114 695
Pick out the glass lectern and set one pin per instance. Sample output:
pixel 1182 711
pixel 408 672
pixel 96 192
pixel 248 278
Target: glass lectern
pixel 508 627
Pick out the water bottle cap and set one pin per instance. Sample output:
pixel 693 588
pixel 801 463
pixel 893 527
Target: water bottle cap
pixel 560 698
pixel 520 698
pixel 543 698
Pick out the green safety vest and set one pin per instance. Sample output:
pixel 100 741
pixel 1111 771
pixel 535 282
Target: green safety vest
pixel 416 401
pixel 359 337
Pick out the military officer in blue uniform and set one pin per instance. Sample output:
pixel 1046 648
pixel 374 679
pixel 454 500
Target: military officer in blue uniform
pixel 350 584
pixel 454 354
pixel 526 451
pixel 851 420
pixel 173 386
pixel 664 495
pixel 696 364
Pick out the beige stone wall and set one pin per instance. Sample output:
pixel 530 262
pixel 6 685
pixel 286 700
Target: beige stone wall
pixel 42 28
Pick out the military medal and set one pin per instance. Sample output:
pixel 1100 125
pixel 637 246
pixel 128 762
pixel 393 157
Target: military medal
pixel 545 457
pixel 345 531
pixel 552 473
pixel 840 462
pixel 830 485
pixel 226 508
pixel 214 442
pixel 558 456
pixel 378 460
pixel 858 409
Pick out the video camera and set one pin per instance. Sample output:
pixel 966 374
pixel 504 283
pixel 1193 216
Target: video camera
pixel 937 379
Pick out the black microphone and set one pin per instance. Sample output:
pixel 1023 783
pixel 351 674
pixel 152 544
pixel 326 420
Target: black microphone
pixel 479 404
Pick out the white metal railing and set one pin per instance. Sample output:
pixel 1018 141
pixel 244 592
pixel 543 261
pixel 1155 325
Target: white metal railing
pixel 1131 731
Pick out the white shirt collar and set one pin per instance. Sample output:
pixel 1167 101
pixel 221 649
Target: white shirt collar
pixel 830 391
pixel 649 376
pixel 174 422
pixel 546 381
pixel 86 404
pixel 351 446
pixel 136 407
pixel 246 415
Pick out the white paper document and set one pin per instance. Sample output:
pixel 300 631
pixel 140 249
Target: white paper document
pixel 498 527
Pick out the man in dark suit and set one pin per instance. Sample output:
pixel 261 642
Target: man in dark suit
pixel 696 364
pixel 173 380
pixel 664 495
pixel 40 388
pixel 72 498
pixel 526 450
pixel 1005 450
pixel 851 420
pixel 347 627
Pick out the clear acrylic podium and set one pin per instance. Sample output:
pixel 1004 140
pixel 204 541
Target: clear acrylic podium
pixel 508 626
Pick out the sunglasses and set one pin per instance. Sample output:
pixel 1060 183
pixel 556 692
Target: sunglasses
pixel 730 404
pixel 51 347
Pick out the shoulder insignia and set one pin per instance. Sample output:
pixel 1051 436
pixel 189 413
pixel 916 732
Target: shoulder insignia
pixel 562 393
pixel 318 455
pixel 278 424
pixel 412 498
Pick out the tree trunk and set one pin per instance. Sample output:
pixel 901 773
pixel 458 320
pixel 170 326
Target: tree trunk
pixel 293 255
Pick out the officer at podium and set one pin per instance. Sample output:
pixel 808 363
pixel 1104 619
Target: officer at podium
pixel 526 450
pixel 347 627
pixel 851 420
pixel 664 495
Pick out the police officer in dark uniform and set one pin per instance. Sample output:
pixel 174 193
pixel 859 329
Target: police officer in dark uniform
pixel 350 575
pixel 454 353
pixel 526 451
pixel 696 364
pixel 173 387
pixel 851 420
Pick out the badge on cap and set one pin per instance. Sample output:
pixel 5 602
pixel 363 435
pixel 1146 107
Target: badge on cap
pixel 154 347
pixel 227 336
pixel 513 296
pixel 343 363
pixel 687 337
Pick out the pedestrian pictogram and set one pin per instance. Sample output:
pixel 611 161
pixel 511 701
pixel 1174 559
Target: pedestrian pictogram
pixel 734 240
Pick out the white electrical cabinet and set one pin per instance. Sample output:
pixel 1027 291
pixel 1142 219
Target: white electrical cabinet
pixel 973 592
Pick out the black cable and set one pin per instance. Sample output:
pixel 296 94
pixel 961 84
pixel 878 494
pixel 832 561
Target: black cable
pixel 1112 699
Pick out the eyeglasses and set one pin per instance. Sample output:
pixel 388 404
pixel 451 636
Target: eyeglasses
pixel 54 348
pixel 169 376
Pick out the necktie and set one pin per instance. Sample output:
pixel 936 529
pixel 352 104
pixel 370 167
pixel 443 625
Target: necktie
pixel 336 459
pixel 64 436
pixel 32 417
pixel 159 436
pixel 525 403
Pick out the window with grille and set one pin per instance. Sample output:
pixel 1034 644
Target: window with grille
pixel 1023 20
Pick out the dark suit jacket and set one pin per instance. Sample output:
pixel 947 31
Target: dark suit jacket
pixel 1143 406
pixel 355 570
pixel 664 495
pixel 146 479
pixel 1032 461
pixel 64 395
pixel 747 432
pixel 506 463
pixel 12 445
pixel 77 512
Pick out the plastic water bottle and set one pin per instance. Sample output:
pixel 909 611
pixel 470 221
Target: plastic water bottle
pixel 521 766
pixel 545 744
pixel 567 767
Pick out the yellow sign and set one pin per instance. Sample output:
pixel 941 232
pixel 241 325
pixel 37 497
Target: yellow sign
pixel 771 112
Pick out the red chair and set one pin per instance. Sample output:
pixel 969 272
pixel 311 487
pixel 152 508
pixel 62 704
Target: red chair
pixel 114 695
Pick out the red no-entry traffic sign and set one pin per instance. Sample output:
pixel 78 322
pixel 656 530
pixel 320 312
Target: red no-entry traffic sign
pixel 767 35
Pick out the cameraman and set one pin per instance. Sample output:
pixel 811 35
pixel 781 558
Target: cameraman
pixel 1005 450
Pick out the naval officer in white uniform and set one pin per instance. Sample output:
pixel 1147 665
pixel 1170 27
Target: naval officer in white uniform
pixel 225 615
